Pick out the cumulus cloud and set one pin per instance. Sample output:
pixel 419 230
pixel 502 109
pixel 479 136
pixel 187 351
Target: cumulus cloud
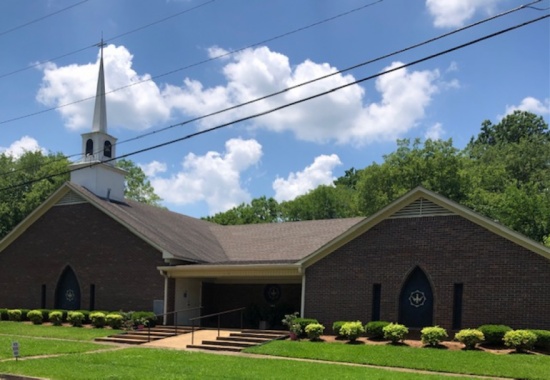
pixel 214 178
pixel 135 107
pixel 530 104
pixel 19 147
pixel 435 132
pixel 340 117
pixel 454 13
pixel 153 168
pixel 318 173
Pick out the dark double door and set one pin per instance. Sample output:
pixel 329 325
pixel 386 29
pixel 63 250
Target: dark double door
pixel 67 292
pixel 416 301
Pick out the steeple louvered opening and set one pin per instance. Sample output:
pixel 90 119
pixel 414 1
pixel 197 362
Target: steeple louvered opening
pixel 419 208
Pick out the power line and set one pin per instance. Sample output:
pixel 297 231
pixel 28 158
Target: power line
pixel 189 121
pixel 269 111
pixel 106 40
pixel 41 18
pixel 152 78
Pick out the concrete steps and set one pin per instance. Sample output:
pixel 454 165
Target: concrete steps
pixel 237 341
pixel 145 335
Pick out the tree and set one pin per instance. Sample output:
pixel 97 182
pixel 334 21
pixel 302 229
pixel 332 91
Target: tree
pixel 260 210
pixel 21 194
pixel 138 187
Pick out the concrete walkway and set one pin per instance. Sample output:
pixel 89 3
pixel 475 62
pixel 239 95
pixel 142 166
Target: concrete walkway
pixel 180 342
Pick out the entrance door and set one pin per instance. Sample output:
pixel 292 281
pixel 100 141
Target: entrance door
pixel 416 300
pixel 67 293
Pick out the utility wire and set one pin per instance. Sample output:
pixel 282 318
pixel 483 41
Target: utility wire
pixel 106 40
pixel 307 82
pixel 152 78
pixel 41 18
pixel 303 83
pixel 269 111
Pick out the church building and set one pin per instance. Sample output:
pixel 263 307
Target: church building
pixel 422 260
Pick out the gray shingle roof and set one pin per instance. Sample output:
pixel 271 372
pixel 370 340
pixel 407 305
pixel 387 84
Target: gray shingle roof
pixel 200 241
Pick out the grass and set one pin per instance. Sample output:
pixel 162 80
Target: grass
pixel 75 359
pixel 464 362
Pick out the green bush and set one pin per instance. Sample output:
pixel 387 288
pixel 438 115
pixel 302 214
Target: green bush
pixel 288 320
pixel 375 329
pixel 86 314
pixel 4 315
pixel 336 326
pixel 56 317
pixel 395 332
pixel 543 339
pixel 45 314
pixel 35 316
pixel 24 313
pixel 520 339
pixel 303 322
pixel 114 320
pixel 147 318
pixel 14 315
pixel 470 337
pixel 98 319
pixel 494 333
pixel 314 331
pixel 75 318
pixel 433 335
pixel 352 330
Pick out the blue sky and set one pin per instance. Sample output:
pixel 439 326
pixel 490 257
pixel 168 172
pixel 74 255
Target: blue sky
pixel 286 153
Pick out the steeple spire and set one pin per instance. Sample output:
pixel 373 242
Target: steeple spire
pixel 99 123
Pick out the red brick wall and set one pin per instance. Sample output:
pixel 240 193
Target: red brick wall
pixel 99 250
pixel 503 282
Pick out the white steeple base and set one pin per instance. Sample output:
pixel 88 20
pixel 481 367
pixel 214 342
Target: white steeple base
pixel 103 180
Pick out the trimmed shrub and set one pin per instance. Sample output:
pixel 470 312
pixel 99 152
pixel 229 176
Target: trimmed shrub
pixel 56 317
pixel 35 316
pixel 520 339
pixel 352 330
pixel 543 339
pixel 24 313
pixel 147 318
pixel 45 314
pixel 314 331
pixel 4 315
pixel 98 319
pixel 114 320
pixel 75 318
pixel 469 338
pixel 375 329
pixel 494 333
pixel 86 314
pixel 395 332
pixel 303 322
pixel 336 326
pixel 433 335
pixel 14 315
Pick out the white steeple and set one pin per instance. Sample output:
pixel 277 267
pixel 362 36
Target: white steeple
pixel 96 170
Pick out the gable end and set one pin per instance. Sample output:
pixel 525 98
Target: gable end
pixel 70 198
pixel 421 208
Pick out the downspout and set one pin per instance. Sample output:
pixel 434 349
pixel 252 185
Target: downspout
pixel 165 299
pixel 303 298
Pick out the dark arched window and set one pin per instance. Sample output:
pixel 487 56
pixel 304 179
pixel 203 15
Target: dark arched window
pixel 107 149
pixel 89 147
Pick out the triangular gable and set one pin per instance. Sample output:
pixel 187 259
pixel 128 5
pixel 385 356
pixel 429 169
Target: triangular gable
pixel 421 202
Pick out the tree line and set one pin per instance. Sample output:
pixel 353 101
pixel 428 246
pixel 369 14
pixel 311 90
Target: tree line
pixel 502 173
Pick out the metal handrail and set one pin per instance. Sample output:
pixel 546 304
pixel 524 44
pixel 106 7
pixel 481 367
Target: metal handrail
pixel 175 319
pixel 192 320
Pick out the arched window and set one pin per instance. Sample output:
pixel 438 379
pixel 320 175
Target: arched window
pixel 89 147
pixel 107 149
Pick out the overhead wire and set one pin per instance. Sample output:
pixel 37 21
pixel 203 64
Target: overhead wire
pixel 350 68
pixel 152 78
pixel 41 18
pixel 275 109
pixel 310 81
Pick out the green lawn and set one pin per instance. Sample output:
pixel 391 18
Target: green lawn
pixel 522 366
pixel 75 359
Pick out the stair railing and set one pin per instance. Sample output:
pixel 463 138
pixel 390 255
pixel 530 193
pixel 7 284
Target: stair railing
pixel 175 319
pixel 192 320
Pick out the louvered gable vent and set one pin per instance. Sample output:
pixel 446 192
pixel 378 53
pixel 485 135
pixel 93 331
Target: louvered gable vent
pixel 70 198
pixel 421 207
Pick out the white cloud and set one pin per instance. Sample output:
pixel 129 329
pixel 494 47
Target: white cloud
pixel 530 104
pixel 214 178
pixel 454 13
pixel 340 116
pixel 435 132
pixel 318 173
pixel 19 147
pixel 153 168
pixel 135 107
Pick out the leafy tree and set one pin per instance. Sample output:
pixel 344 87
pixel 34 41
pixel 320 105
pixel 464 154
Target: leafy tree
pixel 138 187
pixel 22 195
pixel 260 210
